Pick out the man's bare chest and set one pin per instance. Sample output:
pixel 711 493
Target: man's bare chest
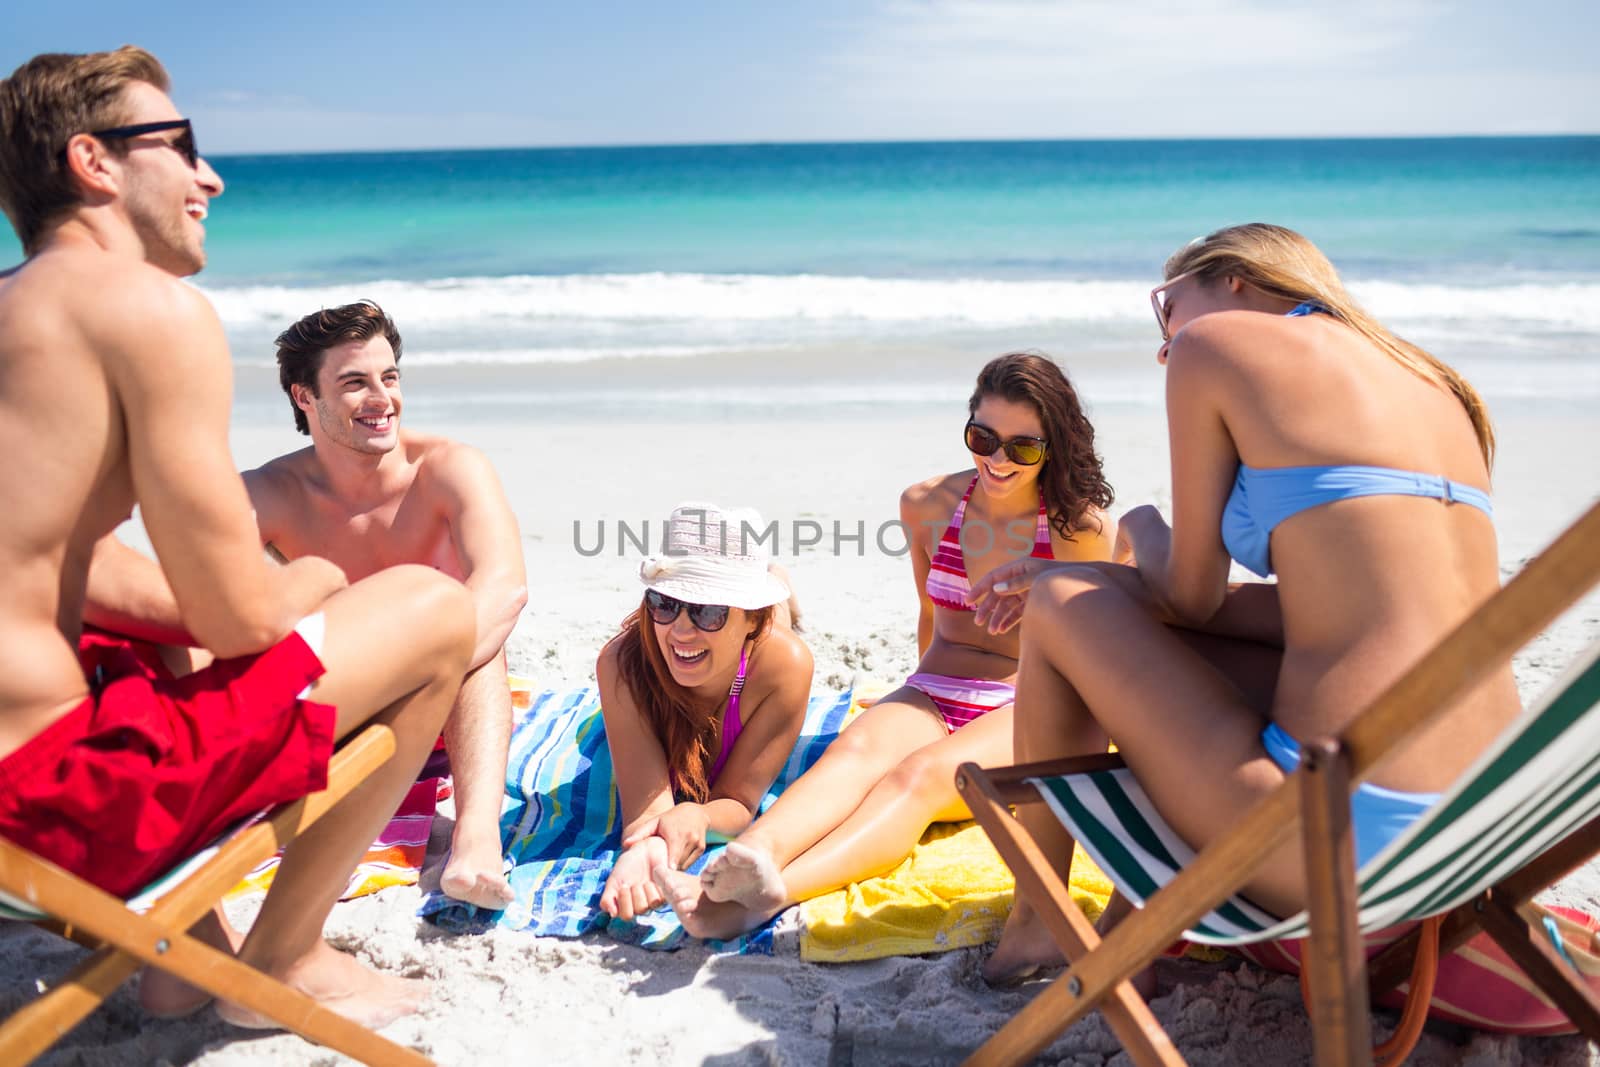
pixel 367 542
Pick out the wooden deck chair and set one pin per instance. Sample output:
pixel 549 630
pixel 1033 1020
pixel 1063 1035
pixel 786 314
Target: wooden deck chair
pixel 1526 813
pixel 150 929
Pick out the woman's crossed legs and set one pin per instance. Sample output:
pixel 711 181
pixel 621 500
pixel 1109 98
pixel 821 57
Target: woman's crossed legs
pixel 1186 710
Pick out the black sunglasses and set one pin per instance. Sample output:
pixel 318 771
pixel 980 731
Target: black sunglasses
pixel 184 144
pixel 982 441
pixel 664 611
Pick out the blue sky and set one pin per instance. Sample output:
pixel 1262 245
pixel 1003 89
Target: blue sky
pixel 296 76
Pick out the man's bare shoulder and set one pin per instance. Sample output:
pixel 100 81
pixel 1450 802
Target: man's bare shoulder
pixel 77 322
pixel 450 467
pixel 428 447
pixel 60 293
pixel 116 300
pixel 289 475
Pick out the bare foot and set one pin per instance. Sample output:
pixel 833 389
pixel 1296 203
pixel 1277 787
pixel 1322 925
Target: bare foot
pixel 745 876
pixel 475 872
pixel 1025 946
pixel 166 996
pixel 700 916
pixel 343 984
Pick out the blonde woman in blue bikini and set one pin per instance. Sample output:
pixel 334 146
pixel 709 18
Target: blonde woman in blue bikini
pixel 1309 441
pixel 1035 489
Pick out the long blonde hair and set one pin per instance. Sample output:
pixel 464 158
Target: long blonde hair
pixel 1282 263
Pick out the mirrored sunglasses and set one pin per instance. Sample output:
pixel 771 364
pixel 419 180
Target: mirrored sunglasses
pixel 982 441
pixel 664 611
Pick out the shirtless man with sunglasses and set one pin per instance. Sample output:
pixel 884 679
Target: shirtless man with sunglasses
pixel 115 390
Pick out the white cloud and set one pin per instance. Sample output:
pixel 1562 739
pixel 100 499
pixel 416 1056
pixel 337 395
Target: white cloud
pixel 1035 68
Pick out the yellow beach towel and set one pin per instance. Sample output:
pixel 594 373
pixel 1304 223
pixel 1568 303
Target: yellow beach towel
pixel 953 891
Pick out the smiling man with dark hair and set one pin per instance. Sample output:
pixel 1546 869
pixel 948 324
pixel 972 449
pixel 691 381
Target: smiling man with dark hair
pixel 369 495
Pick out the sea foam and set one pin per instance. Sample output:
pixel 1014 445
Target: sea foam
pixel 574 318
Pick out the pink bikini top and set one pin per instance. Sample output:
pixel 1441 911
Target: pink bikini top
pixel 731 723
pixel 947 584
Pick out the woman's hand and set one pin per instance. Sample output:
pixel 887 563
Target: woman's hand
pixel 1144 540
pixel 640 832
pixel 629 891
pixel 1122 549
pixel 1002 594
pixel 684 831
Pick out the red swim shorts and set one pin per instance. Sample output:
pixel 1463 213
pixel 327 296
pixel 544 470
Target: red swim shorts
pixel 151 768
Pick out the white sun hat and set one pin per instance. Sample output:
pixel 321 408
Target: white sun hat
pixel 712 556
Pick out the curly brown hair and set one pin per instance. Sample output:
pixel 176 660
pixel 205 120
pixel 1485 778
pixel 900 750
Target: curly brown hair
pixel 1071 481
pixel 683 726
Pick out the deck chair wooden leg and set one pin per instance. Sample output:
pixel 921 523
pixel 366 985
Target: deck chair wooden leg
pixel 1572 852
pixel 160 938
pixel 167 945
pixel 1391 966
pixel 1531 950
pixel 70 932
pixel 36 1026
pixel 1032 1029
pixel 1334 957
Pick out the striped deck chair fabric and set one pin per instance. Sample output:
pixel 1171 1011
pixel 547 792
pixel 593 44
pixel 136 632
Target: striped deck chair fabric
pixel 1537 784
pixel 146 898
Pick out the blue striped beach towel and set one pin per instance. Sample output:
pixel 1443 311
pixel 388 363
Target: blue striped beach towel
pixel 562 826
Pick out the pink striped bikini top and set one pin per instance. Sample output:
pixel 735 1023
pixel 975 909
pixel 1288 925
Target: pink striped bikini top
pixel 947 584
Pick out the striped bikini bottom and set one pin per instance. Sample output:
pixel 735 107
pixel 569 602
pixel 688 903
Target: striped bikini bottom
pixel 960 700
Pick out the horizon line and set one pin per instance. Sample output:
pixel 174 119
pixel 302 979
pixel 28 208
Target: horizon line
pixel 827 142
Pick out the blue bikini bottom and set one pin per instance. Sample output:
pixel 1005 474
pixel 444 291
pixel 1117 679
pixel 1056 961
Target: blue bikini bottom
pixel 1380 815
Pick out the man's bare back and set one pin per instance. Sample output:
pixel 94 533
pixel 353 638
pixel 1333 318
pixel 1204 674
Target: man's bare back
pixel 72 379
pixel 116 389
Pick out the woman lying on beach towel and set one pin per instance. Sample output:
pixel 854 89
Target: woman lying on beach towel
pixel 703 692
pixel 1308 440
pixel 1036 489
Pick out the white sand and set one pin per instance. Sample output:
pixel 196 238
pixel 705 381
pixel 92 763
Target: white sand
pixel 513 998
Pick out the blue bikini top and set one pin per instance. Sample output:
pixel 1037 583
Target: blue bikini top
pixel 1263 497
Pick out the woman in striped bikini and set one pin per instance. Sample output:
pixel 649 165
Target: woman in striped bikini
pixel 1036 488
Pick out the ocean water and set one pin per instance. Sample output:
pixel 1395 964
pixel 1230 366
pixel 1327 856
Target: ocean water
pixel 765 275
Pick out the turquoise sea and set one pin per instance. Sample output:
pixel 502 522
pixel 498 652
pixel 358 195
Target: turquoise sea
pixel 724 270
